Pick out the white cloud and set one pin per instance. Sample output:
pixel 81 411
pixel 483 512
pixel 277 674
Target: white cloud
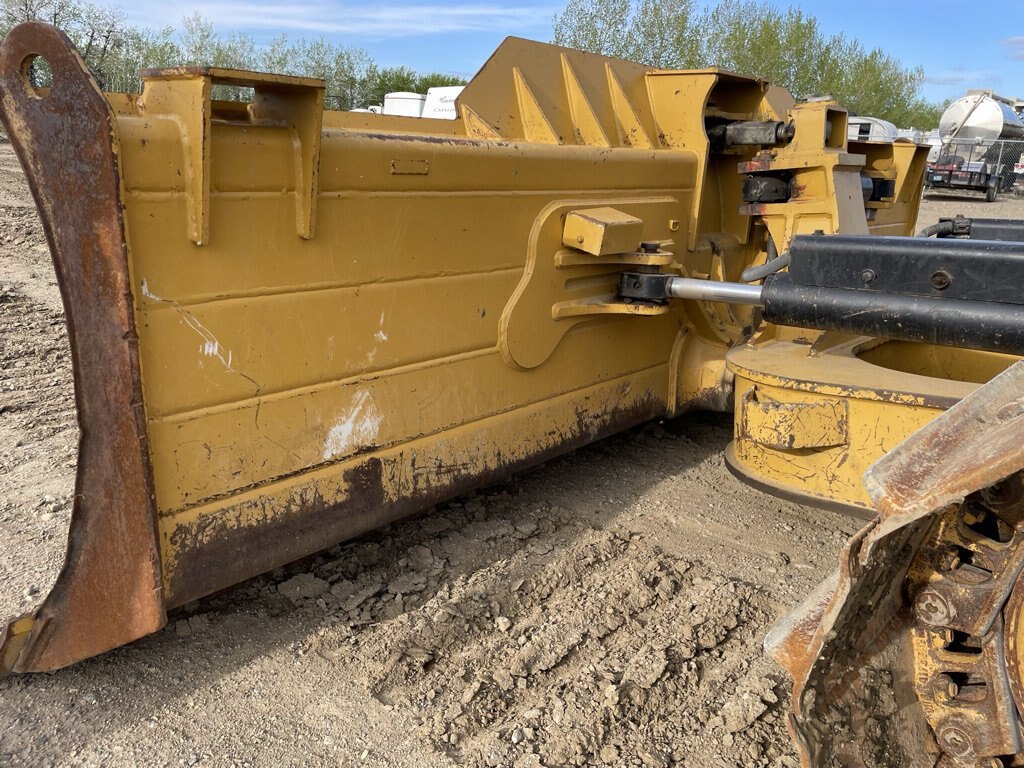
pixel 381 20
pixel 1016 46
pixel 963 77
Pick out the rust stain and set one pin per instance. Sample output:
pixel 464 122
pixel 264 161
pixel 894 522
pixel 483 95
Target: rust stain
pixel 223 552
pixel 756 164
pixel 109 591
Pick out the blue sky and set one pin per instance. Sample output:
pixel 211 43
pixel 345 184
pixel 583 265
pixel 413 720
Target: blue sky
pixel 958 47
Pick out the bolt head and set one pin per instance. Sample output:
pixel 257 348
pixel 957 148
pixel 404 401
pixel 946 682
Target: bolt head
pixel 932 608
pixel 955 742
pixel 945 688
pixel 949 560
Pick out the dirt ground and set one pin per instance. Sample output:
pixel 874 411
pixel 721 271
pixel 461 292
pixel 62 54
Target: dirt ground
pixel 605 609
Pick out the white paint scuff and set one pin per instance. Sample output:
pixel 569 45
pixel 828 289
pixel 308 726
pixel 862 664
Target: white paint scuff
pixel 357 429
pixel 148 293
pixel 211 346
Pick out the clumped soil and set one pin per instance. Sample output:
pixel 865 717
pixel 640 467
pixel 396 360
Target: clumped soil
pixel 605 609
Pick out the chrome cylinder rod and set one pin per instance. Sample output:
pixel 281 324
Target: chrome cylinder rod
pixel 710 290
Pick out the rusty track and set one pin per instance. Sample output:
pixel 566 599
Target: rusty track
pixel 959 585
pixel 915 617
pixel 109 590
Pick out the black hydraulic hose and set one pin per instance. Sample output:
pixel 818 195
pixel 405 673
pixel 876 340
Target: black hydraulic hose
pixel 959 226
pixel 940 229
pixel 761 271
pixel 775 263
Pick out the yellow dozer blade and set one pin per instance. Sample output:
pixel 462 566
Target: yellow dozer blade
pixel 290 326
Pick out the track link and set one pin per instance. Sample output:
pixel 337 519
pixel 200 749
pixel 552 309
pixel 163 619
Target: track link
pixel 960 585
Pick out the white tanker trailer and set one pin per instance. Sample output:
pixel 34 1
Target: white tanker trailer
pixel 974 156
pixel 980 117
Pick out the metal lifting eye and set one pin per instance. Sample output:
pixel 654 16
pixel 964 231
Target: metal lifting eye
pixel 36 73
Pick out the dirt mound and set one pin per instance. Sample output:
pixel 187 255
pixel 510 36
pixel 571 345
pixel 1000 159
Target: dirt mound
pixel 546 639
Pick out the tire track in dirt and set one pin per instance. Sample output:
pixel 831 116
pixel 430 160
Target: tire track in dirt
pixel 598 653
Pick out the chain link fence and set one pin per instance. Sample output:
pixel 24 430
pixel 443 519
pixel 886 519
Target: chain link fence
pixel 992 168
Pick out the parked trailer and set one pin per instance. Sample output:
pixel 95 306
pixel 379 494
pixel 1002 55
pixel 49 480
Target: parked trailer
pixel 972 157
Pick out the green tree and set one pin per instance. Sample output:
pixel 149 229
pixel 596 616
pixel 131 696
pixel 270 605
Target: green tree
pixel 198 40
pixel 117 52
pixel 874 83
pixel 655 32
pixel 786 47
pixel 380 82
pixel 664 34
pixel 136 50
pixel 599 26
pixel 388 80
pixel 349 88
pixel 97 31
pixel 436 80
